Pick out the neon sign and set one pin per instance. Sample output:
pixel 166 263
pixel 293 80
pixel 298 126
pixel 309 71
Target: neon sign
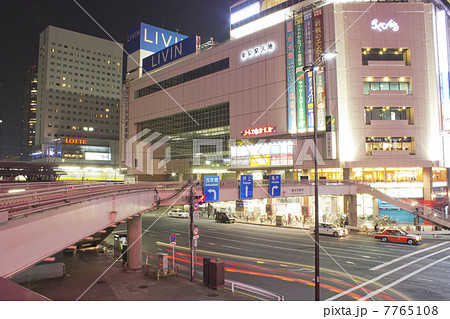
pixel 262 49
pixel 382 26
pixel 258 131
pixel 75 141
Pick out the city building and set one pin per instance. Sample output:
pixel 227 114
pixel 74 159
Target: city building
pixel 29 113
pixel 79 87
pixel 246 106
pixel 2 88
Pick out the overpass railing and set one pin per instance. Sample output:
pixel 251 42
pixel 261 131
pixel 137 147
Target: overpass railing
pixel 34 201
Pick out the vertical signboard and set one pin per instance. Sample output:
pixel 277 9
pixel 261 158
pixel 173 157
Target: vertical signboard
pixel 309 60
pixel 211 188
pixel 309 102
pixel 300 84
pixel 308 29
pixel 320 74
pixel 246 187
pixel 290 48
pixel 275 185
pixel 331 137
pixel 442 44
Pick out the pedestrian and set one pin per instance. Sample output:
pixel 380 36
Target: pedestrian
pixel 376 227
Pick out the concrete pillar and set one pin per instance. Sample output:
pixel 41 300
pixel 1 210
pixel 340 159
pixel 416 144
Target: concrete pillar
pixel 376 207
pixel 346 174
pixel 350 209
pixel 134 253
pixel 427 176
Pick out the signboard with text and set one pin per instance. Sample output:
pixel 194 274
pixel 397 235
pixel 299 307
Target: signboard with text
pixel 211 187
pixel 246 187
pixel 150 38
pixel 275 186
pixel 172 53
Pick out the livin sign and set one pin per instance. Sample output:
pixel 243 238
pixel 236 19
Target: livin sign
pixel 382 26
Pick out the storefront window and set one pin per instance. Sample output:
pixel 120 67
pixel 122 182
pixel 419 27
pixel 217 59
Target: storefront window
pixel 387 174
pixel 439 174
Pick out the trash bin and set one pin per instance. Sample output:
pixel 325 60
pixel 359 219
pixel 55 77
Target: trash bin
pixel 163 262
pixel 206 271
pixel 279 220
pixel 216 274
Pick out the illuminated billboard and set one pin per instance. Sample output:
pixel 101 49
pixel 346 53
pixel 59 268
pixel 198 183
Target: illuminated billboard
pixel 150 38
pixel 172 53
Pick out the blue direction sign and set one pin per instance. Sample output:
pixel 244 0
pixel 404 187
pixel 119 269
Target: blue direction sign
pixel 246 187
pixel 211 188
pixel 275 185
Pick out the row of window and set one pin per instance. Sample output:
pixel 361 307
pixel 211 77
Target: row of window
pixel 386 86
pixel 375 55
pixel 109 66
pixel 79 128
pixel 183 78
pixel 82 50
pixel 386 113
pixel 405 143
pixel 50 89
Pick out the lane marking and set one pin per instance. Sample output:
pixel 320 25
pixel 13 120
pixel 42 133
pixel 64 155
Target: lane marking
pixel 423 279
pixel 386 274
pixel 292 264
pixel 297 250
pixel 403 278
pixel 405 256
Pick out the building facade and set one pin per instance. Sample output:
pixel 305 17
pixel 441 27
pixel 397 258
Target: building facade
pixel 2 87
pixel 79 87
pixel 382 104
pixel 29 113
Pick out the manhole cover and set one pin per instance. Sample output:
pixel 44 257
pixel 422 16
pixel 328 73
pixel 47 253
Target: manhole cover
pixel 213 295
pixel 143 286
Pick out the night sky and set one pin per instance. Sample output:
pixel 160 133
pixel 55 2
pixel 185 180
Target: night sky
pixel 23 20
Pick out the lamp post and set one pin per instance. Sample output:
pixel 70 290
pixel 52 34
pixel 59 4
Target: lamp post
pixel 312 68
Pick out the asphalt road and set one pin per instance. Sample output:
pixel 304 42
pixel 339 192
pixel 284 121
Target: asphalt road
pixel 281 260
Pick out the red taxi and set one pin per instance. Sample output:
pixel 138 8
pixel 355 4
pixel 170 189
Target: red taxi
pixel 399 236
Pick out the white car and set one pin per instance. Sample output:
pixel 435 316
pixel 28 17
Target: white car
pixel 179 213
pixel 330 229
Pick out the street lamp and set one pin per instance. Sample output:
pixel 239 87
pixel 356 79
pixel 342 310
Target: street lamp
pixel 312 68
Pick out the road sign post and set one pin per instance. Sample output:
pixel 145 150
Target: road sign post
pixel 246 187
pixel 173 243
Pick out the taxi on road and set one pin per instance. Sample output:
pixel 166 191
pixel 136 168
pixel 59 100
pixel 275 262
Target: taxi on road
pixel 397 235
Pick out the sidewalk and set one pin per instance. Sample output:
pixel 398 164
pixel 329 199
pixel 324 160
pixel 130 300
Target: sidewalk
pixel 85 267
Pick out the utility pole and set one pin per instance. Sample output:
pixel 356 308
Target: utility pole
pixel 191 227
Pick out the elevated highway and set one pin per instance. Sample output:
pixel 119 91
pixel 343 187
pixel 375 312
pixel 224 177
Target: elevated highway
pixel 38 223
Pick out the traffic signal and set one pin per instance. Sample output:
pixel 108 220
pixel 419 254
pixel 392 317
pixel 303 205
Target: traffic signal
pixel 200 199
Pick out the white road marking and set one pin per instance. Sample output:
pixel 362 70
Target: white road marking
pixel 366 256
pixel 405 256
pixel 231 247
pixel 212 244
pixel 388 273
pixel 350 262
pixel 423 279
pixel 402 279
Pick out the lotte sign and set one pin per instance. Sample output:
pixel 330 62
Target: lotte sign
pixel 80 141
